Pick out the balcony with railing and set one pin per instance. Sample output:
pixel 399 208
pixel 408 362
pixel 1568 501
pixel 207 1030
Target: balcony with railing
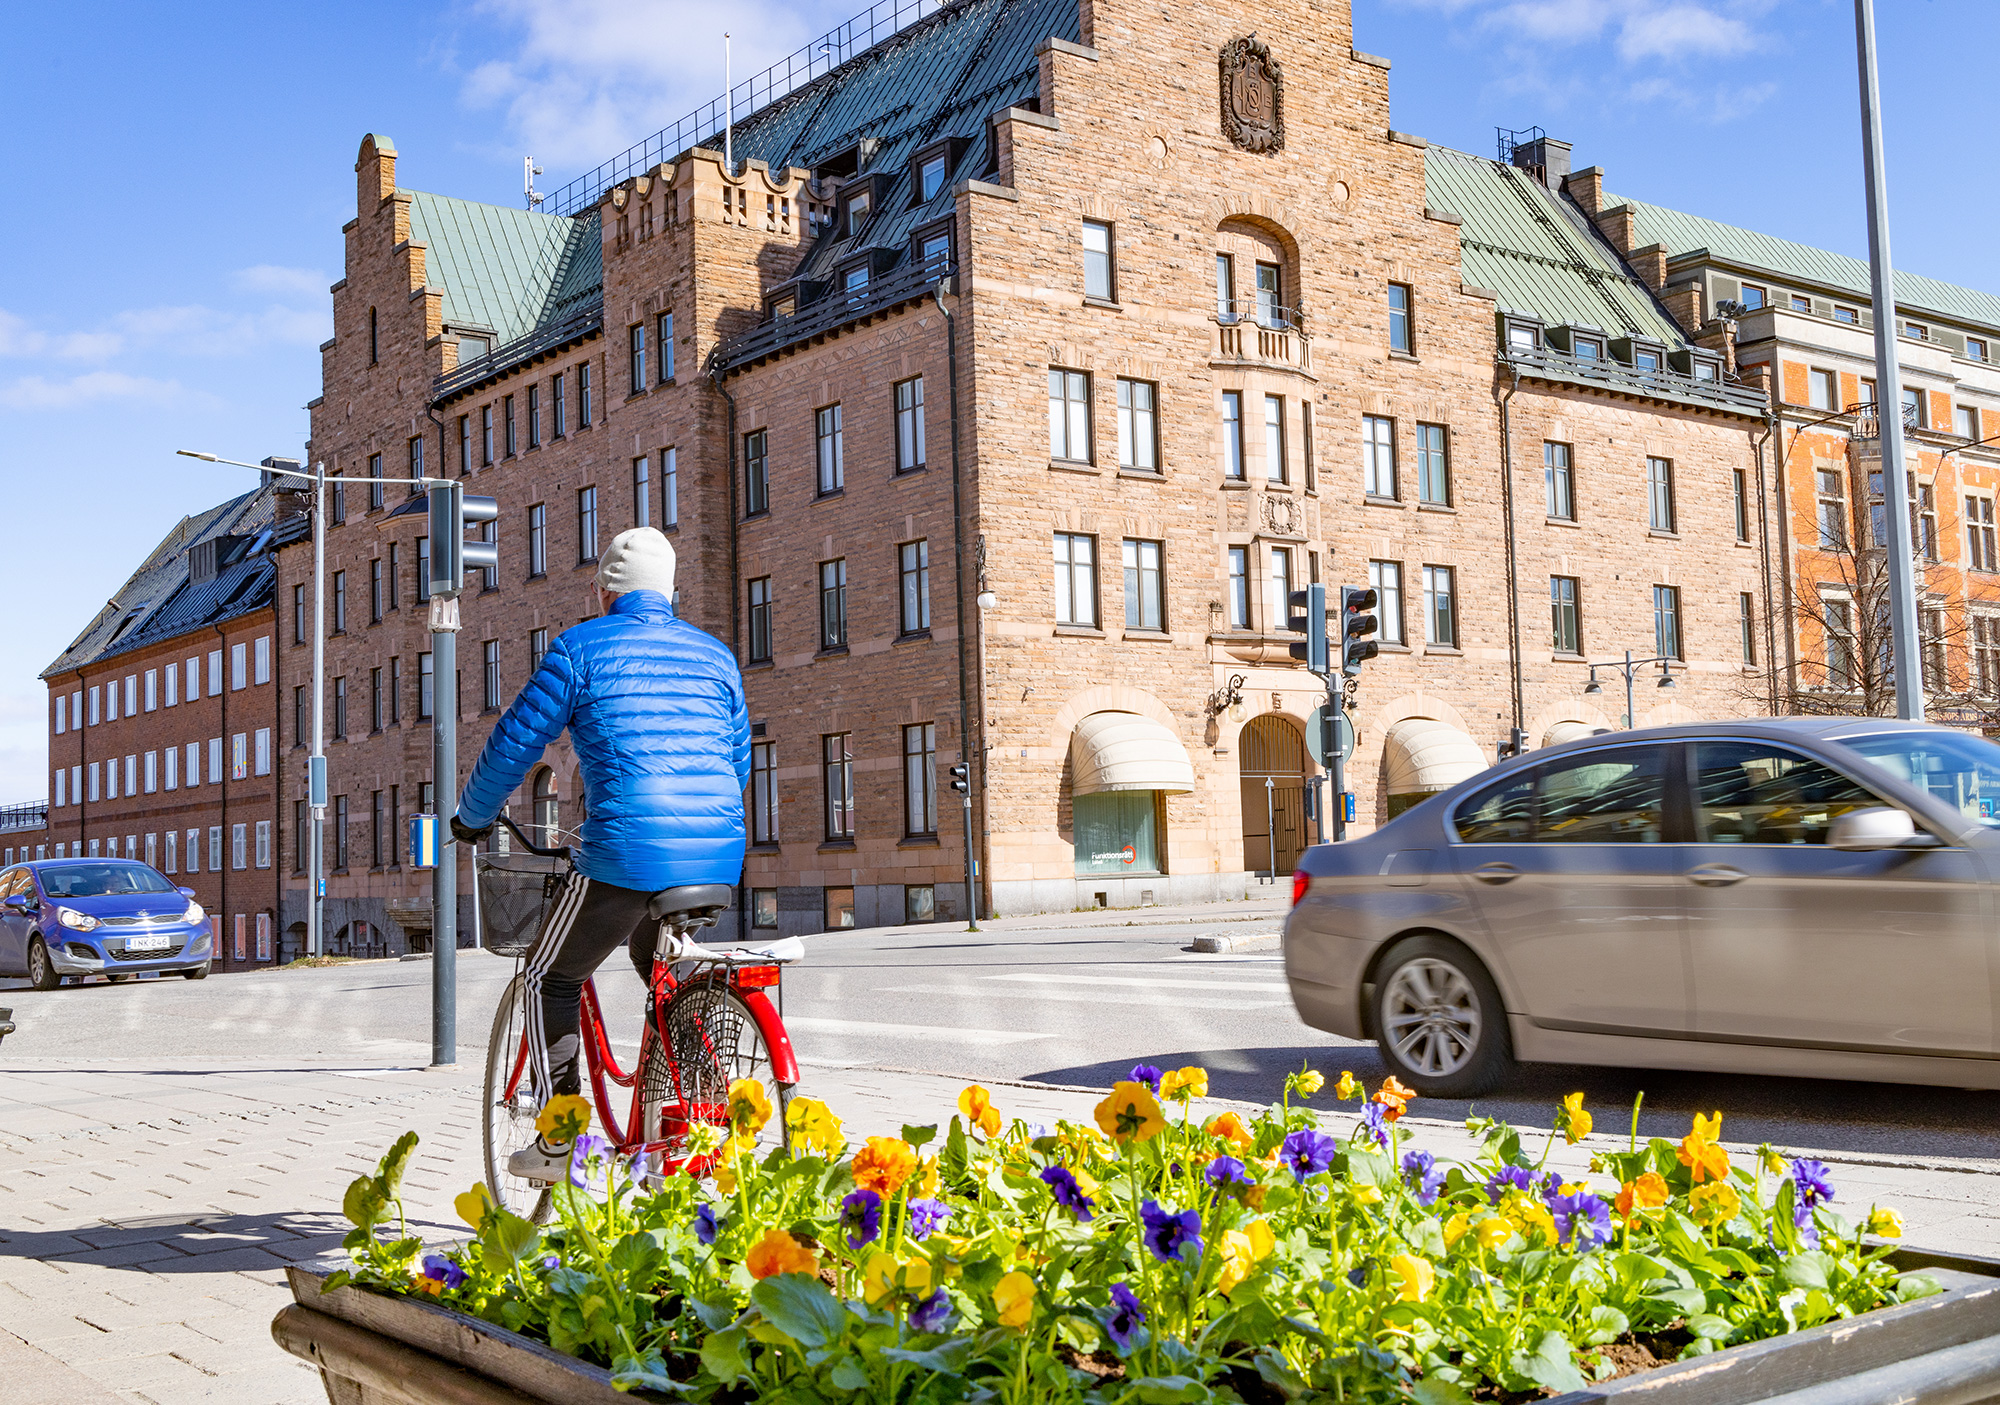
pixel 1262 331
pixel 831 314
pixel 27 814
pixel 1652 383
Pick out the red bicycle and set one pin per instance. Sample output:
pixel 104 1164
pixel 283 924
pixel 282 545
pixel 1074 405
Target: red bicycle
pixel 711 1020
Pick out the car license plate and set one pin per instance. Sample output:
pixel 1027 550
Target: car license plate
pixel 153 943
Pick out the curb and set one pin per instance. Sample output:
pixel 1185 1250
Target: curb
pixel 1225 943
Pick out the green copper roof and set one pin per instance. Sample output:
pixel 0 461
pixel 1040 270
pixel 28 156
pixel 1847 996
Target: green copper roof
pixel 1783 258
pixel 1537 252
pixel 508 270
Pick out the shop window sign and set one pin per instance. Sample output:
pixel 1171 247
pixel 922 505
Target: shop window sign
pixel 1117 832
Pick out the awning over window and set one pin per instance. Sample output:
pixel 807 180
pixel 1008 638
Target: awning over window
pixel 1567 732
pixel 1124 751
pixel 1426 755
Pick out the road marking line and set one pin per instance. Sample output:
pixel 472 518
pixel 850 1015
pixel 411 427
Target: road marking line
pixel 825 1025
pixel 1147 982
pixel 1180 1001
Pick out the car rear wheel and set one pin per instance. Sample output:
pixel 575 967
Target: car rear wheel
pixel 41 971
pixel 1439 1020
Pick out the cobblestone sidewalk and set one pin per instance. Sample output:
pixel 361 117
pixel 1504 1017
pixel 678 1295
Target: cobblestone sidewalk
pixel 147 1211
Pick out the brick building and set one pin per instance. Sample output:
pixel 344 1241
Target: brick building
pixel 1020 367
pixel 162 724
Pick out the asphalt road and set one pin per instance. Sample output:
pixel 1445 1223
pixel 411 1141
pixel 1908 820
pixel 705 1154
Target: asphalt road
pixel 1074 1001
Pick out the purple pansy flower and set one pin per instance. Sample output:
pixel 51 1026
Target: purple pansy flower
pixel 861 1217
pixel 1068 1194
pixel 931 1314
pixel 552 1262
pixel 582 1152
pixel 1308 1152
pixel 1171 1235
pixel 440 1269
pixel 1583 1217
pixel 1508 1178
pixel 1375 1122
pixel 927 1217
pixel 1420 1169
pixel 704 1224
pixel 1147 1074
pixel 1226 1171
pixel 1126 1316
pixel 1813 1181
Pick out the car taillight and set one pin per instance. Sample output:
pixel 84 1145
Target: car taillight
pixel 1301 881
pixel 756 977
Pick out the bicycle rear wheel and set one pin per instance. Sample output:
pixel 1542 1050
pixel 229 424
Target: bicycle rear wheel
pixel 708 1040
pixel 509 1120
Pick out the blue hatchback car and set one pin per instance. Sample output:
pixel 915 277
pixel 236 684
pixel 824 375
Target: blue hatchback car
pixel 99 917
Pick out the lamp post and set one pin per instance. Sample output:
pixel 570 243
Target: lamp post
pixel 1629 667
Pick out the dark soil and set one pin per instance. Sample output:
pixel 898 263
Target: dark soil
pixel 1101 1364
pixel 1642 1351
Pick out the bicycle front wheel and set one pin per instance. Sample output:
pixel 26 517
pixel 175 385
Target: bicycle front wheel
pixel 708 1040
pixel 510 1109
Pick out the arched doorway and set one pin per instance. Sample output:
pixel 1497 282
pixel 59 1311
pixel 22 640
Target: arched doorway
pixel 1273 773
pixel 546 809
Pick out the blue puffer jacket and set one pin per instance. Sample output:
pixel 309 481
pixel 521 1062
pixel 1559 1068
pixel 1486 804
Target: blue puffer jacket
pixel 655 711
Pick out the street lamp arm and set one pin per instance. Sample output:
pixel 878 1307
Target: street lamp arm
pixel 424 483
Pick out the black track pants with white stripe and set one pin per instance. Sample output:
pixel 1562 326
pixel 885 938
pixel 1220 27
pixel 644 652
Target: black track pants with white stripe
pixel 588 922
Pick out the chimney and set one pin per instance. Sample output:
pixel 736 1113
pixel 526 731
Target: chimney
pixel 1546 159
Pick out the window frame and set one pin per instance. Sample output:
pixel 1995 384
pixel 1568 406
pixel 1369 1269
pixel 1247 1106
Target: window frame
pixel 1065 409
pixel 1277 459
pixel 920 811
pixel 758 597
pixel 1566 615
pixel 1433 464
pixel 1378 445
pixel 1669 626
pixel 833 635
pixel 829 450
pixel 1067 580
pixel 1145 585
pixel 907 397
pixel 538 540
pixel 837 786
pixel 1660 515
pixel 1403 317
pixel 756 472
pixel 1385 578
pixel 764 795
pixel 636 350
pixel 1138 425
pixel 913 586
pixel 1440 607
pixel 1104 261
pixel 1237 560
pixel 1234 469
pixel 1559 480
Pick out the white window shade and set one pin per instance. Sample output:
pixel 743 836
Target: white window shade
pixel 1426 755
pixel 1124 751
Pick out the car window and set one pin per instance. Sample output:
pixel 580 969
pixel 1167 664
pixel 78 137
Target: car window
pixel 1755 793
pixel 98 880
pixel 1604 797
pixel 13 881
pixel 1503 813
pixel 1956 767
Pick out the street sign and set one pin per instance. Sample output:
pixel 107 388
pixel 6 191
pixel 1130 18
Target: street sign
pixel 1349 799
pixel 1316 735
pixel 423 841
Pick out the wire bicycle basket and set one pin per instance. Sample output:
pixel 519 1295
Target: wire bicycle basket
pixel 516 892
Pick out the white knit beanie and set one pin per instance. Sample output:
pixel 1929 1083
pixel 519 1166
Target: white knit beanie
pixel 639 559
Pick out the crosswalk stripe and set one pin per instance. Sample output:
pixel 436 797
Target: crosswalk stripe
pixel 821 1024
pixel 1179 1000
pixel 1147 982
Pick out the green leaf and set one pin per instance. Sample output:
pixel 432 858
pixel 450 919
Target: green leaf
pixel 714 1316
pixel 1170 1390
pixel 1432 1390
pixel 509 1236
pixel 1277 1373
pixel 341 1279
pixel 947 1358
pixel 1805 1270
pixel 850 1374
pixel 366 1202
pixel 725 1355
pixel 1709 1326
pixel 394 1162
pixel 802 1308
pixel 1370 1168
pixel 919 1137
pixel 646 1371
pixel 1607 1324
pixel 1909 1287
pixel 1685 1300
pixel 1552 1364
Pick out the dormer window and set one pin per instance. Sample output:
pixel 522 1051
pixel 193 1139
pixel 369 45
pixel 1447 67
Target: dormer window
pixel 1645 360
pixel 1753 297
pixel 1705 370
pixel 1916 331
pixel 854 214
pixel 855 279
pixel 1520 333
pixel 930 177
pixel 1588 349
pixel 1645 357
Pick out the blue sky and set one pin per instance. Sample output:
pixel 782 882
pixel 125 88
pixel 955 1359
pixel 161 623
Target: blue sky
pixel 182 174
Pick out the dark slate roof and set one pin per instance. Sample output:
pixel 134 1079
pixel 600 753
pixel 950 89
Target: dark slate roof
pixel 158 601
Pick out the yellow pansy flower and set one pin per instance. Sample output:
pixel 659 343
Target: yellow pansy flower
pixel 475 1205
pixel 928 1180
pixel 815 1127
pixel 977 1105
pixel 1014 1295
pixel 1347 1087
pixel 1190 1082
pixel 1885 1223
pixel 1573 1120
pixel 885 1274
pixel 749 1105
pixel 1310 1082
pixel 1715 1203
pixel 1417 1274
pixel 1493 1231
pixel 1367 1195
pixel 1455 1228
pixel 563 1119
pixel 703 1139
pixel 1130 1113
pixel 1242 1250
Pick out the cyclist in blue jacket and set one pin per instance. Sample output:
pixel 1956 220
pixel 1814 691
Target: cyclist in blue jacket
pixel 655 711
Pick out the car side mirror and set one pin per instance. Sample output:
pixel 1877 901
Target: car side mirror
pixel 185 892
pixel 21 902
pixel 1880 827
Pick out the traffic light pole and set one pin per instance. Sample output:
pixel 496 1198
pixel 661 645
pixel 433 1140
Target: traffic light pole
pixel 1336 762
pixel 444 878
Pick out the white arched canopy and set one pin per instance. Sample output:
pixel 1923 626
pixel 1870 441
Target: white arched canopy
pixel 1426 756
pixel 1124 751
pixel 1567 732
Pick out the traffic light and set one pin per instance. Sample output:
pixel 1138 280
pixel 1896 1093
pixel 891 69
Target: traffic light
pixel 452 553
pixel 1316 649
pixel 961 778
pixel 1356 622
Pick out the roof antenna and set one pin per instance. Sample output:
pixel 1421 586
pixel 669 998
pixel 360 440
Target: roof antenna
pixel 529 170
pixel 728 113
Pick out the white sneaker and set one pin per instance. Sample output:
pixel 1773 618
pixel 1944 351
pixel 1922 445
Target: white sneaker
pixel 539 1162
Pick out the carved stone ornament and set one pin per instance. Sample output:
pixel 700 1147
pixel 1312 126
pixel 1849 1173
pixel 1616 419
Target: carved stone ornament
pixel 1253 105
pixel 1283 516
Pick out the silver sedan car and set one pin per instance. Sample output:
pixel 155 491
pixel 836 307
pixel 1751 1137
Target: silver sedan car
pixel 1804 896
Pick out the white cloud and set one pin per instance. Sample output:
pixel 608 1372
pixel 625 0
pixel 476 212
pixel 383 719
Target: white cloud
pixel 92 387
pixel 307 283
pixel 1682 32
pixel 17 338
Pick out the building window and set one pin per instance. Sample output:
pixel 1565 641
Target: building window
pixel 1986 653
pixel 1559 485
pixel 1277 601
pixel 298 622
pixel 1433 466
pixel 1916 331
pixel 1387 579
pixel 1667 621
pixel 375 485
pixel 511 442
pixel 464 446
pixel 395 691
pixel 756 473
pixel 914 569
pixel 1232 434
pixel 1138 432
pixel 1562 608
pixel 1097 262
pixel 546 812
pixel 374 699
pixel 1239 586
pixel 829 451
pixel 153 688
pixel 642 491
pixel 1069 416
pixel 239 846
pixel 538 648
pixel 1270 297
pixel 338 508
pixel 1923 518
pixel 538 540
pixel 1746 618
pixel 1837 625
pixel 637 334
pixel 1965 422
pixel 1076 578
pixel 1378 456
pixel 1822 390
pixel 910 424
pixel 1975 349
pixel 586 525
pixel 1399 317
pixel 559 403
pixel 1830 488
pixel 763 792
pixel 1867 391
pixel 1276 469
pixel 670 488
pixel 584 418
pixel 1145 592
pixel 1660 494
pixel 833 604
pixel 426 688
pixel 1981 553
pixel 930 178
pixel 1306 440
pixel 173 851
pixel 152 772
pixel 378 829
pixel 1225 288
pixel 1752 297
pixel 534 417
pixel 760 620
pixel 490 670
pixel 666 338
pixel 1440 607
pixel 1739 486
pixel 339 835
pixel 837 783
pixel 374 338
pixel 416 466
pixel 920 779
pixel 340 709
pixel 375 591
pixel 486 435
pixel 340 602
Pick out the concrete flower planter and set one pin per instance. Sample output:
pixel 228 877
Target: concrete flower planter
pixel 1943 1350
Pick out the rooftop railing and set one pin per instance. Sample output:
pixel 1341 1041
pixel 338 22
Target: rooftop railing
pixel 512 353
pixel 832 312
pixel 1661 384
pixel 28 814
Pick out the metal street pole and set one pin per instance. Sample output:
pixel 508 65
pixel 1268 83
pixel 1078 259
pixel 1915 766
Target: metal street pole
pixel 444 777
pixel 316 763
pixel 1338 704
pixel 1631 708
pixel 1889 385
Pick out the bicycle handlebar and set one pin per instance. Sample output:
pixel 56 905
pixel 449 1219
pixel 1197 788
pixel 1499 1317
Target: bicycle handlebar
pixel 561 851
